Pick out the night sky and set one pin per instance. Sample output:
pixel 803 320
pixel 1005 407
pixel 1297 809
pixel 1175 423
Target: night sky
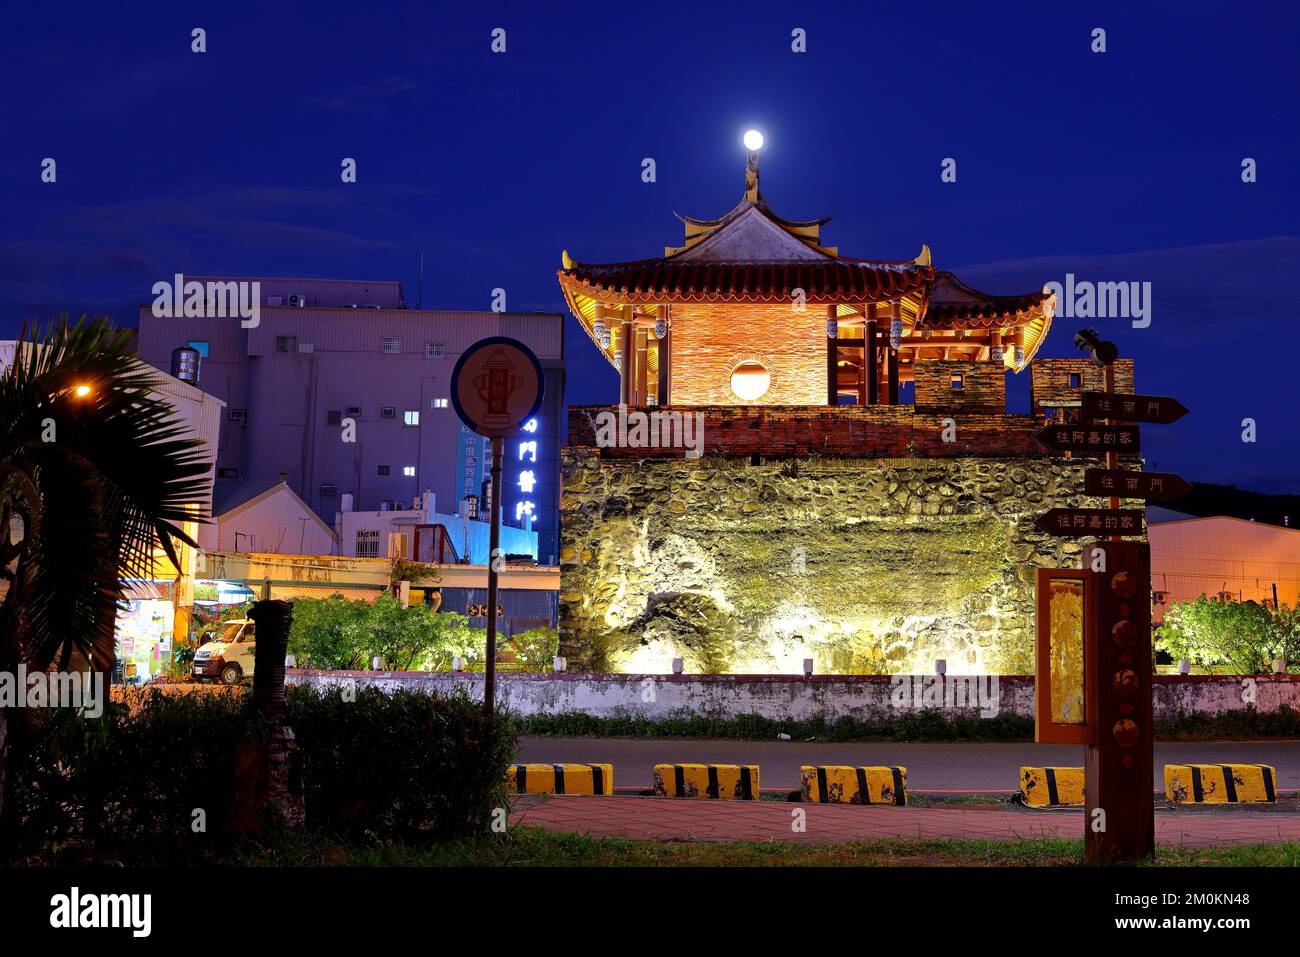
pixel 1122 166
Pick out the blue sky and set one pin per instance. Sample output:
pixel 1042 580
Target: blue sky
pixel 1122 166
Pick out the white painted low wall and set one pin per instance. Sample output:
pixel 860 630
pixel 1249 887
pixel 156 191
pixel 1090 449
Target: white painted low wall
pixel 865 698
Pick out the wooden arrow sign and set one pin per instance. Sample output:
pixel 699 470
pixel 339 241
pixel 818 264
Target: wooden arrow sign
pixel 1148 485
pixel 1124 407
pixel 1088 439
pixel 1078 522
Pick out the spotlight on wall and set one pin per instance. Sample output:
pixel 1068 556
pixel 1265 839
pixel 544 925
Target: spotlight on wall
pixel 807 666
pixel 678 666
pixel 1103 353
pixel 458 663
pixel 940 666
pixel 560 663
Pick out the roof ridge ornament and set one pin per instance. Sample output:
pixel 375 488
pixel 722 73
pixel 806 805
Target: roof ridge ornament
pixel 753 140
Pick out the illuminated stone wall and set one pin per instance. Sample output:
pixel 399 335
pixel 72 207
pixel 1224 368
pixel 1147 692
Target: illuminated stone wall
pixel 869 566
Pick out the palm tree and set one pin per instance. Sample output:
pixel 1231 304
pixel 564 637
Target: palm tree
pixel 96 473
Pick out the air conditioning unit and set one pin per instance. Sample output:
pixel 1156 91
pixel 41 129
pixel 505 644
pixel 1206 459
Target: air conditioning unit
pixel 297 299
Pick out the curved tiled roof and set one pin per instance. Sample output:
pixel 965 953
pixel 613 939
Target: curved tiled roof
pixel 952 302
pixel 829 280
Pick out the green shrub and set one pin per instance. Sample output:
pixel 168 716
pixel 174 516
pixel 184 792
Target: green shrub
pixel 402 765
pixel 410 766
pixel 338 634
pixel 1244 635
pixel 129 783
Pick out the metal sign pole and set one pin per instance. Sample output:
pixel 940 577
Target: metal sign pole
pixel 494 547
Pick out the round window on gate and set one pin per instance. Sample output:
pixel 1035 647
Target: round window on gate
pixel 750 380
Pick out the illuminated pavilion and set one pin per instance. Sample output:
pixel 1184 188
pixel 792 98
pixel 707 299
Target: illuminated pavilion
pixel 751 294
pixel 836 512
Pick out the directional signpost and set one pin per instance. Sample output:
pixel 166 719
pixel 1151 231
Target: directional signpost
pixel 1084 439
pixel 1147 485
pixel 1113 643
pixel 1157 409
pixel 1089 522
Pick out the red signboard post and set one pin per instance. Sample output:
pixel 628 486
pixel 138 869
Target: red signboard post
pixel 1114 635
pixel 496 387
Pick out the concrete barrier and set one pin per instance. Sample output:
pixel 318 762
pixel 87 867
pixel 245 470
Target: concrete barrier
pixel 561 778
pixel 1220 783
pixel 1051 787
pixel 837 784
pixel 719 782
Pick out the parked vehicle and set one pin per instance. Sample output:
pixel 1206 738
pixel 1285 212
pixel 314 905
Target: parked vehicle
pixel 229 657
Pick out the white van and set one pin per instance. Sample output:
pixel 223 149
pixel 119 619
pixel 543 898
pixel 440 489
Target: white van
pixel 229 657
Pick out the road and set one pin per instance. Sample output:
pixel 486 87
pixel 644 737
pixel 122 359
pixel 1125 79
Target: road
pixel 939 766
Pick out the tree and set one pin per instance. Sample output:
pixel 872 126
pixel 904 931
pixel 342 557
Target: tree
pixel 338 634
pixel 96 472
pixel 1243 635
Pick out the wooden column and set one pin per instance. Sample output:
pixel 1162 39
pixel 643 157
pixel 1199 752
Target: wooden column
pixel 832 358
pixel 872 356
pixel 642 367
pixel 665 359
pixel 895 311
pixel 627 357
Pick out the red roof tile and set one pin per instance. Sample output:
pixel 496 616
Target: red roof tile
pixel 832 280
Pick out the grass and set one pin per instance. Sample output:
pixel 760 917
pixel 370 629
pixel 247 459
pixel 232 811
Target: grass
pixel 535 847
pixel 927 725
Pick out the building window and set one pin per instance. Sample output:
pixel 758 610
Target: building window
pixel 408 471
pixel 227 473
pixel 328 490
pixel 388 412
pixel 354 411
pixel 390 345
pixel 435 350
pixel 411 417
pixel 1076 380
pixel 239 416
pixel 750 380
pixel 438 404
pixel 286 343
pixel 367 543
pixel 200 346
pixel 334 417
pixel 385 469
pixel 957 380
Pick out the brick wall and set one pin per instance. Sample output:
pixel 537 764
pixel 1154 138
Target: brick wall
pixel 884 431
pixel 1049 381
pixel 983 386
pixel 709 341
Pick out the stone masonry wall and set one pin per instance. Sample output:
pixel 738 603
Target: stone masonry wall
pixel 984 386
pixel 869 566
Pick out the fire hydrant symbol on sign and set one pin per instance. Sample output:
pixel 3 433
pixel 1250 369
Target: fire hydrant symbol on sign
pixel 495 385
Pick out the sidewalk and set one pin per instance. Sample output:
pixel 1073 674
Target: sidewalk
pixel 668 819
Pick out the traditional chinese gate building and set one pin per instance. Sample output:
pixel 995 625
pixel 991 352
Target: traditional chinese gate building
pixel 862 497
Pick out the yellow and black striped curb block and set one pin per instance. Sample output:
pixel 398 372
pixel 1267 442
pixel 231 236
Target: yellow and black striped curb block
pixel 1049 787
pixel 725 782
pixel 1220 783
pixel 837 784
pixel 561 778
